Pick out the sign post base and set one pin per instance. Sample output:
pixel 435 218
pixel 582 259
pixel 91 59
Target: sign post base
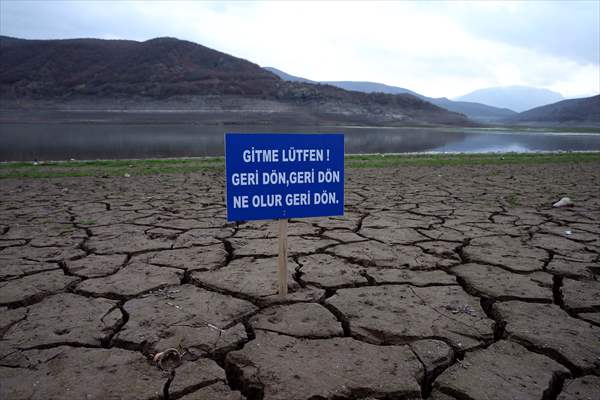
pixel 282 260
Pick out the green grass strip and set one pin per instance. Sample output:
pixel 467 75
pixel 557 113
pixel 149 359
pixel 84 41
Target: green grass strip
pixel 138 167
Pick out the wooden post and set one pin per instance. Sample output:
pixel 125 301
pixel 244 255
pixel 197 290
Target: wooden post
pixel 283 287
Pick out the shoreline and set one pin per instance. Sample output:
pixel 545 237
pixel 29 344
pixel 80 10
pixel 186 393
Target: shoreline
pixel 153 166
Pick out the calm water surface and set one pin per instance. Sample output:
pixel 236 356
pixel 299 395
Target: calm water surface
pixel 23 142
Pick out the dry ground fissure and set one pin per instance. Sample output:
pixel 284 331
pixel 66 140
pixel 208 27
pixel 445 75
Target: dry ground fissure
pixel 454 282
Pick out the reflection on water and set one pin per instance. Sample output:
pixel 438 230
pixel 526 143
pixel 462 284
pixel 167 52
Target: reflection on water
pixel 20 141
pixel 487 142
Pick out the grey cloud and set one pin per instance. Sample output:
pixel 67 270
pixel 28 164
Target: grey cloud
pixel 73 19
pixel 569 29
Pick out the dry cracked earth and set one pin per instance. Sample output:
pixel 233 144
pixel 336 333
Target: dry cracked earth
pixel 453 283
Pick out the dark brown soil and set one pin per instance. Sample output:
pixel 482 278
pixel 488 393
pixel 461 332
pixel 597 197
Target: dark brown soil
pixel 440 283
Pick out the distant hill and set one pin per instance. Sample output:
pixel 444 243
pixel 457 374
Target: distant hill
pixel 582 112
pixel 358 86
pixel 475 111
pixel 516 98
pixel 286 76
pixel 171 74
pixel 156 68
pixel 371 87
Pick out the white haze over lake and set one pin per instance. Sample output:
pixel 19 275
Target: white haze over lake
pixel 434 48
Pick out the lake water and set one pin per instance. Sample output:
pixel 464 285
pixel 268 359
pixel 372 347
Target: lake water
pixel 23 142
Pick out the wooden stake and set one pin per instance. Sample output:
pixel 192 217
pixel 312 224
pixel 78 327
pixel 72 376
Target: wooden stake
pixel 283 287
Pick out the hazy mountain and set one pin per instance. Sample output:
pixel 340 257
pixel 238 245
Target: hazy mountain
pixel 358 86
pixel 286 76
pixel 582 112
pixel 371 87
pixel 168 73
pixel 517 98
pixel 475 111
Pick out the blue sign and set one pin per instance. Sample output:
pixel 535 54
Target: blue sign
pixel 275 175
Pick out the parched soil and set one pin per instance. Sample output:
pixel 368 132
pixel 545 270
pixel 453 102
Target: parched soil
pixel 438 283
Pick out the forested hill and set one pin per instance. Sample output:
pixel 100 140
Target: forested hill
pixel 179 73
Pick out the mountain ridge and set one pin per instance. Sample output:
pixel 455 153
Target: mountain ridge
pixel 516 98
pixel 171 71
pixel 584 111
pixel 574 112
pixel 476 111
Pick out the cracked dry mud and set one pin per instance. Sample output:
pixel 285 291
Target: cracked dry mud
pixel 445 283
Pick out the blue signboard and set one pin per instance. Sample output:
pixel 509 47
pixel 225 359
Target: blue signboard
pixel 273 175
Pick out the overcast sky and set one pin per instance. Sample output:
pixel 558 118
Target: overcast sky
pixel 434 48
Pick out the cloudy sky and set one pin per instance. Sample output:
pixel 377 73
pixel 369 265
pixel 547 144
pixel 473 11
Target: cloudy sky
pixel 434 48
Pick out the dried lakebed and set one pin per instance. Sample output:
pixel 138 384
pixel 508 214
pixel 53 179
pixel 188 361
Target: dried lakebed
pixel 438 283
